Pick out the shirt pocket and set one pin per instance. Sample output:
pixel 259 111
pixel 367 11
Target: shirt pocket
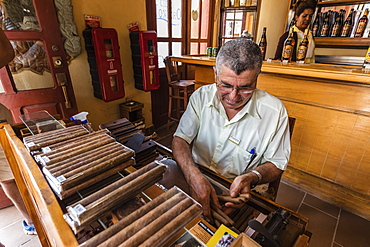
pixel 240 160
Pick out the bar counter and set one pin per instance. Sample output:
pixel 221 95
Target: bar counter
pixel 330 143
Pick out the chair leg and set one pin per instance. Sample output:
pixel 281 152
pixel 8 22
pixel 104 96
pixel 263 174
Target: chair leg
pixel 169 108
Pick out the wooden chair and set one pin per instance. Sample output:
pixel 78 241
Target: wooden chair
pixel 179 90
pixel 274 185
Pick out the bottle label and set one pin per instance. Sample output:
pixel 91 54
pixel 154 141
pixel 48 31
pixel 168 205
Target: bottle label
pixel 367 58
pixel 345 30
pixel 360 29
pixel 301 52
pixel 287 52
pixel 263 50
pixel 334 31
pixel 324 30
pixel 314 29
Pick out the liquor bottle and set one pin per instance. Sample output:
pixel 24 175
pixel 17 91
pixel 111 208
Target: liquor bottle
pixel 361 24
pixel 288 47
pixel 325 26
pixel 315 26
pixel 336 26
pixel 227 3
pixel 366 64
pixel 263 44
pixel 302 48
pixel 236 3
pixel 347 26
pixel 291 24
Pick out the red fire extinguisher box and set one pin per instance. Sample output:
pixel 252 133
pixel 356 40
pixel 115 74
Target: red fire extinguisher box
pixel 105 63
pixel 145 59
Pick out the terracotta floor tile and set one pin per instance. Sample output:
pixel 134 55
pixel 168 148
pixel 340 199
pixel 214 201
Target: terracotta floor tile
pixel 352 230
pixel 289 196
pixel 322 205
pixel 9 215
pixel 321 225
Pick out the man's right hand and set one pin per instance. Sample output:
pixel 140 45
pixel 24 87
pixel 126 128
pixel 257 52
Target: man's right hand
pixel 200 188
pixel 203 192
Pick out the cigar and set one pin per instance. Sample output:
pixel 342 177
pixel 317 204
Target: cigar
pixel 146 232
pixel 73 178
pixel 166 233
pixel 111 231
pixel 82 156
pixel 222 214
pixel 78 150
pixel 235 200
pixel 134 227
pixel 96 179
pixel 80 166
pixel 70 143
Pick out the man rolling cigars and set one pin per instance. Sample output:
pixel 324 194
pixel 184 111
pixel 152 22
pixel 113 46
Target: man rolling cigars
pixel 232 128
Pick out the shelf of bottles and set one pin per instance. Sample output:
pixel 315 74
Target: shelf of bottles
pixel 342 24
pixel 239 19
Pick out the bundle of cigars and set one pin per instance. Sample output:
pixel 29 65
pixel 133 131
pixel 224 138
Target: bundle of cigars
pixel 153 224
pixel 122 130
pixel 80 161
pixel 87 171
pixel 112 196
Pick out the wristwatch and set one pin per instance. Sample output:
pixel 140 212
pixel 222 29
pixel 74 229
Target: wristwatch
pixel 259 176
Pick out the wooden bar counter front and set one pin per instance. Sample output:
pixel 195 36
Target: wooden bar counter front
pixel 330 146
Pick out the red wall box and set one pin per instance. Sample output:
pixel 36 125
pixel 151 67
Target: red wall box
pixel 105 63
pixel 145 59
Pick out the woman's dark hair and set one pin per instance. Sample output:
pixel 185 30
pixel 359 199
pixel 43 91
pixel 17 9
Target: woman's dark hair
pixel 301 5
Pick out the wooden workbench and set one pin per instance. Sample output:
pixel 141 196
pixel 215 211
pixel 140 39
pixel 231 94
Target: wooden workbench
pixel 330 144
pixel 47 213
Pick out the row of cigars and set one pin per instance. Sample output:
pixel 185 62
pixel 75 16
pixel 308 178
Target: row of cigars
pixel 73 160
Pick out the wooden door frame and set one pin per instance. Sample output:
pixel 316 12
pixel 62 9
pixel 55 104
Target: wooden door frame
pixel 54 47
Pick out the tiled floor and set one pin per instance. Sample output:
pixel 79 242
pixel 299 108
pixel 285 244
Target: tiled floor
pixel 11 229
pixel 330 226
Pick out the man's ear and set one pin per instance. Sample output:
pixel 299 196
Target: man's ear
pixel 215 72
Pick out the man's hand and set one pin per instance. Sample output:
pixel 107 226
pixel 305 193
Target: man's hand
pixel 202 191
pixel 200 188
pixel 240 187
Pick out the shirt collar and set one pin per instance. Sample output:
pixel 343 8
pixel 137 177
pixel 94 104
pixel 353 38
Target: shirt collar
pixel 250 108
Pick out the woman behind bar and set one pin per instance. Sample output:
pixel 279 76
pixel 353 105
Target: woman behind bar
pixel 303 12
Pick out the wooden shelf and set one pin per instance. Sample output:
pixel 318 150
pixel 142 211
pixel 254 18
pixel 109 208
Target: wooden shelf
pixel 243 8
pixel 340 2
pixel 344 42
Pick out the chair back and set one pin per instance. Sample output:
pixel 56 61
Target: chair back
pixel 171 70
pixel 275 184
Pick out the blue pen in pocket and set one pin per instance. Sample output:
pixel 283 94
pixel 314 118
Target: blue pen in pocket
pixel 252 157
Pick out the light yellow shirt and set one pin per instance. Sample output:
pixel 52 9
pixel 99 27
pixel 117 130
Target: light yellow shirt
pixel 225 146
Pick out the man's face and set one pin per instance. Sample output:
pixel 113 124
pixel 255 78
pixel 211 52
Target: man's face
pixel 235 90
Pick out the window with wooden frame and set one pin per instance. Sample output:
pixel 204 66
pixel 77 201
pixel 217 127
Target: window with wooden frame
pixel 237 20
pixel 201 25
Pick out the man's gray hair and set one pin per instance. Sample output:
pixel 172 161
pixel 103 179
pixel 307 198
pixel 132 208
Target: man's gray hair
pixel 239 55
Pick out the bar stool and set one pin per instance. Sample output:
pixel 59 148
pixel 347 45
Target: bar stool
pixel 179 90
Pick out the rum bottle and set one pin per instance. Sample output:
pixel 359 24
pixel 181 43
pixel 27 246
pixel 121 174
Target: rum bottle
pixel 325 26
pixel 303 46
pixel 336 27
pixel 347 26
pixel 288 47
pixel 361 24
pixel 315 26
pixel 263 44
